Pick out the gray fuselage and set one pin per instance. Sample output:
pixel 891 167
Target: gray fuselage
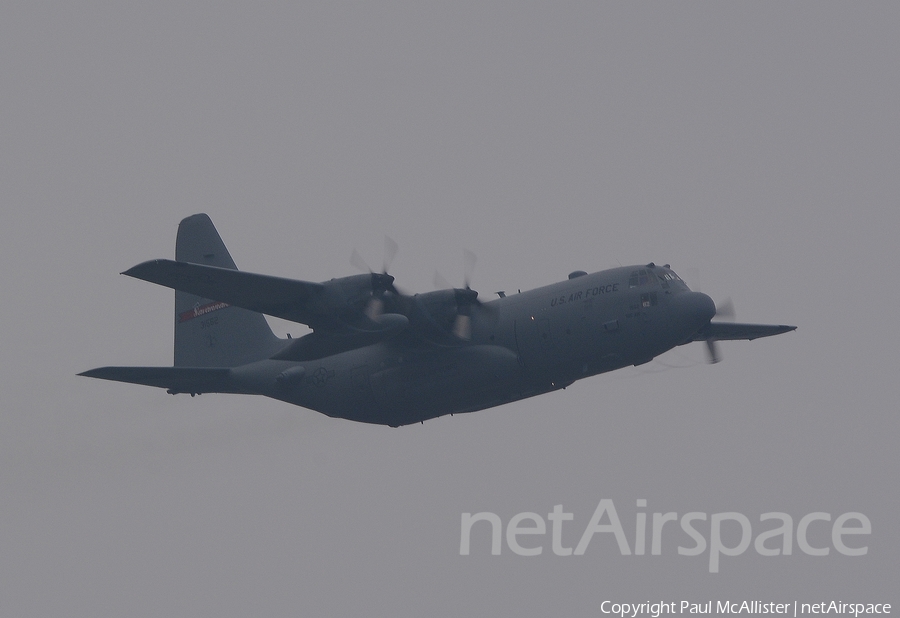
pixel 520 346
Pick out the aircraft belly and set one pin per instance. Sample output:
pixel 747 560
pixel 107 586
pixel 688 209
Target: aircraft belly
pixel 335 389
pixel 447 381
pixel 387 388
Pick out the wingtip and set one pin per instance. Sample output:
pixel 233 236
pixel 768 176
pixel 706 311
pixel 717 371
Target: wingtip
pixel 785 328
pixel 139 271
pixel 130 272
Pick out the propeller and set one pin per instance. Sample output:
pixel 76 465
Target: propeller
pixel 390 252
pixel 358 263
pixel 440 282
pixel 725 313
pixel 465 297
pixel 712 351
pixel 469 261
pixel 381 282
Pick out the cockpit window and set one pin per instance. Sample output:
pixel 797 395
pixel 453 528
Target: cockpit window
pixel 667 277
pixel 670 276
pixel 639 278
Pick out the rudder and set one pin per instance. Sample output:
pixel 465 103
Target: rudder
pixel 209 333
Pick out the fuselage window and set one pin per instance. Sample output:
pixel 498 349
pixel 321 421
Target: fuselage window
pixel 648 300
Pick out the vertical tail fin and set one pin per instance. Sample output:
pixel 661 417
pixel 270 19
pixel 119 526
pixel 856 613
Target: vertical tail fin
pixel 209 333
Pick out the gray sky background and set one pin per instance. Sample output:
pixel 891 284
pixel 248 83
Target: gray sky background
pixel 755 147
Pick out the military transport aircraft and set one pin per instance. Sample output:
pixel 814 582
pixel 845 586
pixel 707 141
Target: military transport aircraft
pixel 377 355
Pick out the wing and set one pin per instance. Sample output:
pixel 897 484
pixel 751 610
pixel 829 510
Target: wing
pixel 174 379
pixel 725 331
pixel 290 299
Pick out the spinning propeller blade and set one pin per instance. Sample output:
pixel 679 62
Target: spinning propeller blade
pixel 381 282
pixel 725 312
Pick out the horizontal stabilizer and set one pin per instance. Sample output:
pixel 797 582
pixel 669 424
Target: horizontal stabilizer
pixel 275 296
pixel 174 379
pixel 726 331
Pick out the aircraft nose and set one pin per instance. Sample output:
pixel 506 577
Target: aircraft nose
pixel 695 308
